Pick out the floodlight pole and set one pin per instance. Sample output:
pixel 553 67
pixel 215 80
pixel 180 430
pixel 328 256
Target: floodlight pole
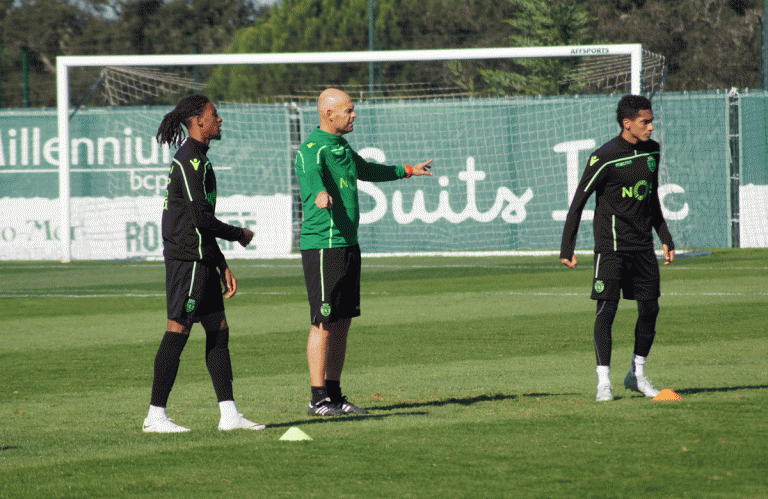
pixel 25 74
pixel 764 48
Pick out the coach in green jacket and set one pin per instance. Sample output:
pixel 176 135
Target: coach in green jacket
pixel 328 170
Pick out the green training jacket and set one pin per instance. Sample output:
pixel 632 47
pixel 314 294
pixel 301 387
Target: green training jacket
pixel 326 162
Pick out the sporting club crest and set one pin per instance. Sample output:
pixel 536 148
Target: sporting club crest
pixel 652 163
pixel 325 309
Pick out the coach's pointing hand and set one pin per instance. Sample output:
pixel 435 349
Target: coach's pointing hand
pixel 422 168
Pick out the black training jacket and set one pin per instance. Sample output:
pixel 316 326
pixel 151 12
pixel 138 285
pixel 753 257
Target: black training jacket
pixel 625 180
pixel 190 227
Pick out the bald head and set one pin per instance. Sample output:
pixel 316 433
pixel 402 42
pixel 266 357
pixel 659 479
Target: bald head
pixel 336 110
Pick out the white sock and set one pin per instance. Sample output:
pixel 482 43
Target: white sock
pixel 603 375
pixel 228 409
pixel 156 413
pixel 638 365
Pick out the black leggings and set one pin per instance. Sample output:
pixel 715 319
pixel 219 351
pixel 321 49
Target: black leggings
pixel 645 329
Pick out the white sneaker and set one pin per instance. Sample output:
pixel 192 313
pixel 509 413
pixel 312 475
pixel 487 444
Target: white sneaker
pixel 640 384
pixel 162 425
pixel 604 393
pixel 239 424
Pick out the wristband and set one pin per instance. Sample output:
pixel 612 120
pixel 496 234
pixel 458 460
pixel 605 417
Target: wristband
pixel 408 171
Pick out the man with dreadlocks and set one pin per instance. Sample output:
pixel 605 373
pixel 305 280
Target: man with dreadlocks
pixel 194 265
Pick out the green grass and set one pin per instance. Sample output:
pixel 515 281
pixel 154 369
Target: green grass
pixel 478 373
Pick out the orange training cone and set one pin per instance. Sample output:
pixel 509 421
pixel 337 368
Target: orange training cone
pixel 667 394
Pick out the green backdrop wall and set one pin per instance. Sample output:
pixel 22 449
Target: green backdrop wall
pixel 503 168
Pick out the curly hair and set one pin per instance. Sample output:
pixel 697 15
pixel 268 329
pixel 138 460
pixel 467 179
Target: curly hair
pixel 630 106
pixel 170 130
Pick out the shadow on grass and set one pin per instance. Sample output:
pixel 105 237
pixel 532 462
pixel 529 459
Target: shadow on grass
pixel 394 407
pixel 691 391
pixel 450 401
pixel 466 401
pixel 336 419
pixel 539 395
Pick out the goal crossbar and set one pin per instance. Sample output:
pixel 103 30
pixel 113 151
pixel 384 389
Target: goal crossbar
pixel 63 63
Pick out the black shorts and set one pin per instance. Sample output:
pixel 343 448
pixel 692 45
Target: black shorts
pixel 635 274
pixel 333 283
pixel 193 290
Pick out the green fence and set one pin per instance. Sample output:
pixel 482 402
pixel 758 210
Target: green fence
pixel 503 169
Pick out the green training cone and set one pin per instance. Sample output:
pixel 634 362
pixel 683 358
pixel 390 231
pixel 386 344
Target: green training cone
pixel 294 433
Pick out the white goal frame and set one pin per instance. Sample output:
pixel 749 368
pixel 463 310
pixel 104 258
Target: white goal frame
pixel 63 63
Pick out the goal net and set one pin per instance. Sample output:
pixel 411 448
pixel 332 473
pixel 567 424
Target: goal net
pixel 505 164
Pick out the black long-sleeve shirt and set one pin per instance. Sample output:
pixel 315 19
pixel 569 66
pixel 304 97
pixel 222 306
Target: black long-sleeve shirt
pixel 189 224
pixel 625 178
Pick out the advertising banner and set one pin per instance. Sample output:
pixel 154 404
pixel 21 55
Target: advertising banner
pixel 504 173
pixel 118 179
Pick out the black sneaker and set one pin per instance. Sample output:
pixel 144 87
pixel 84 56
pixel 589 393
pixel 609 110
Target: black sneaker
pixel 350 408
pixel 325 408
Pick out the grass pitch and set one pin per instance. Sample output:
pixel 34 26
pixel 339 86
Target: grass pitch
pixel 478 373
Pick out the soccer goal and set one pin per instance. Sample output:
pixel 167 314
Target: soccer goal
pixel 505 164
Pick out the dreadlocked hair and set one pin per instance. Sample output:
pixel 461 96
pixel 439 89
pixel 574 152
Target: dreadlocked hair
pixel 170 131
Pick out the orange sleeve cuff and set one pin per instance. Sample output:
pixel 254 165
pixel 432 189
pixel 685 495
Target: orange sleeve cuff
pixel 408 171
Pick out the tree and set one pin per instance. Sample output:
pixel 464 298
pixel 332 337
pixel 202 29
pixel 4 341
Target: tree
pixel 342 25
pixel 708 44
pixel 542 23
pixel 49 28
pixel 436 24
pixel 178 26
pixel 43 29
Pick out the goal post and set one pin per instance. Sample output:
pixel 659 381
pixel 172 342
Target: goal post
pixel 65 63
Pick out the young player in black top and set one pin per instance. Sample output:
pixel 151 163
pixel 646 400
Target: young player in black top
pixel 623 174
pixel 195 267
